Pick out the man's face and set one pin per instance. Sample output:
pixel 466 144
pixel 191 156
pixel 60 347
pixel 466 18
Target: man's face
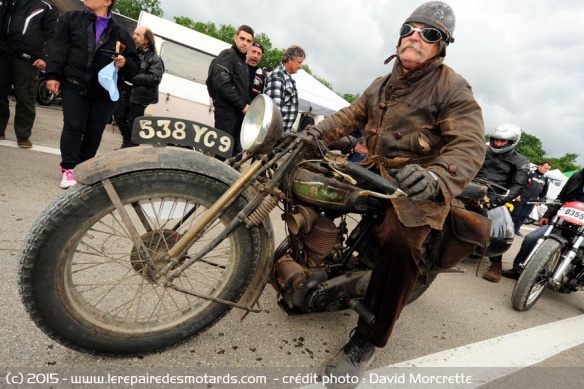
pixel 254 56
pixel 243 41
pixel 500 142
pixel 543 169
pixel 294 65
pixel 414 51
pixel 139 39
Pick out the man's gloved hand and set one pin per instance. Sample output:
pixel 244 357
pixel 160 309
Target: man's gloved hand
pixel 496 201
pixel 419 183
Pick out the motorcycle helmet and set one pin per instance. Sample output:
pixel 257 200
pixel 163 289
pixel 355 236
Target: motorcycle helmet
pixel 506 131
pixel 438 15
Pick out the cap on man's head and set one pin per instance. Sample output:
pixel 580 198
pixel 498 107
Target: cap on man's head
pixel 258 44
pixel 436 14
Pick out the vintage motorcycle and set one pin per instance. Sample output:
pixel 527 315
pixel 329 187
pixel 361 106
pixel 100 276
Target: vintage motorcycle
pixel 156 244
pixel 557 260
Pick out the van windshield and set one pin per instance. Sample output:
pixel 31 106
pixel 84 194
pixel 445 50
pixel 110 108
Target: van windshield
pixel 185 62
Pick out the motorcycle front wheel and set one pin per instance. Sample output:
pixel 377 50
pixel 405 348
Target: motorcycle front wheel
pixel 534 278
pixel 86 285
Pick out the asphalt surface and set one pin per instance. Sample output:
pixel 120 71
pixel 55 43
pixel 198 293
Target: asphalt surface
pixel 460 309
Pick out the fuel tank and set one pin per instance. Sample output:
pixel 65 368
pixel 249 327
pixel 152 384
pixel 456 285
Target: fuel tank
pixel 322 191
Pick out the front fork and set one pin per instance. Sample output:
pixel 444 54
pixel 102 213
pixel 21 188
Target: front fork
pixel 557 279
pixel 539 242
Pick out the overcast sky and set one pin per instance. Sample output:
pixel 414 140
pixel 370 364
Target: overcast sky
pixel 524 58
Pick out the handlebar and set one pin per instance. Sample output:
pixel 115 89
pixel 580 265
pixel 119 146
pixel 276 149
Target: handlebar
pixel 372 178
pixel 546 202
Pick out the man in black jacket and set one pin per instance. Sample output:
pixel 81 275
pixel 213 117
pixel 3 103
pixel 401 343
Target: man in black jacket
pixel 536 189
pixel 25 25
pixel 573 190
pixel 142 89
pixel 257 77
pixel 506 168
pixel 228 85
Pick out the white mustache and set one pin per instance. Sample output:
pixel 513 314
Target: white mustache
pixel 414 45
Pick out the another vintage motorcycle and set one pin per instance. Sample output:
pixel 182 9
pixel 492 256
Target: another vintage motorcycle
pixel 557 260
pixel 156 244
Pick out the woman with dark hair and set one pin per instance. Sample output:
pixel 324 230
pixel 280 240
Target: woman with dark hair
pixel 85 42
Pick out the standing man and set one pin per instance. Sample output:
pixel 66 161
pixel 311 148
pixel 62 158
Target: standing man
pixel 228 85
pixel 536 189
pixel 143 88
pixel 421 118
pixel 257 78
pixel 282 88
pixel 25 26
pixel 506 168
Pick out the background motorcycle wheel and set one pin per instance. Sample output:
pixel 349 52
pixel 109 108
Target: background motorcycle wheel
pixel 534 278
pixel 44 96
pixel 84 284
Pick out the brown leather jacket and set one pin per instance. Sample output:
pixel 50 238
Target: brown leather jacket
pixel 427 117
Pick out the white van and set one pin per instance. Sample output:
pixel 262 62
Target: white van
pixel 187 55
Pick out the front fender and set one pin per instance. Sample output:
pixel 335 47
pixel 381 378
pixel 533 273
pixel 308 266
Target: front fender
pixel 143 158
pixel 134 159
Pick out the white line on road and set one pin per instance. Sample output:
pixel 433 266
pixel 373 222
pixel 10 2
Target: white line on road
pixel 498 357
pixel 44 149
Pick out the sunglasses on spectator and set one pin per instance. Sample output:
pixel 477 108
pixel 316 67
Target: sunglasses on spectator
pixel 428 34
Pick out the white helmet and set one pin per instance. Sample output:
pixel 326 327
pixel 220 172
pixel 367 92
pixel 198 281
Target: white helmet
pixel 505 131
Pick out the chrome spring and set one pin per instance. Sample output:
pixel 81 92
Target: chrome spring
pixel 261 212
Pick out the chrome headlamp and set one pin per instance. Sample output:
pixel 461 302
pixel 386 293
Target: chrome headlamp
pixel 262 125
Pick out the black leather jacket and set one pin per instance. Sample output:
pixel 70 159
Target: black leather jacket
pixel 145 83
pixel 230 80
pixel 569 192
pixel 536 187
pixel 25 25
pixel 508 170
pixel 75 59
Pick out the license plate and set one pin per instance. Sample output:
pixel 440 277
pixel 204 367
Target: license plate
pixel 573 212
pixel 163 131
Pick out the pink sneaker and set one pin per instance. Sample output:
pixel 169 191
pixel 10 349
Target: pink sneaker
pixel 67 181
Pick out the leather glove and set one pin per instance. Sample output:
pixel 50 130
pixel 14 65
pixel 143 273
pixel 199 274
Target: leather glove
pixel 497 201
pixel 419 183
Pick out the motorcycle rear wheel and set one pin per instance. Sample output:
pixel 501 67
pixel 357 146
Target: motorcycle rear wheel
pixel 534 278
pixel 84 283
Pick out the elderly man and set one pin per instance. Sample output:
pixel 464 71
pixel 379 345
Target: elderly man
pixel 423 119
pixel 142 89
pixel 281 87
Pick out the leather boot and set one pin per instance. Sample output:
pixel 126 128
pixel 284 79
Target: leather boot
pixel 493 273
pixel 346 369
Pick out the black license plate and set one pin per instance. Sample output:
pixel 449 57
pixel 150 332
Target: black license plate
pixel 163 131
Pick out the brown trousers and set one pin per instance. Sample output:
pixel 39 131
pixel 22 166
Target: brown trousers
pixel 393 277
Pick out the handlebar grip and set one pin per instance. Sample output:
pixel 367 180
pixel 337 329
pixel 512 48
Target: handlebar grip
pixel 368 176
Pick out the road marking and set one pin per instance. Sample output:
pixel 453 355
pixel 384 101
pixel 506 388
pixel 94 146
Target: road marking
pixel 43 149
pixel 492 358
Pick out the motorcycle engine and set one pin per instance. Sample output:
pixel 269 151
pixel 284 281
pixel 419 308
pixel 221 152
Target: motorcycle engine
pixel 313 238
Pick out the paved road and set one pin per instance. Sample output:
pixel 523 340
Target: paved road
pixel 461 316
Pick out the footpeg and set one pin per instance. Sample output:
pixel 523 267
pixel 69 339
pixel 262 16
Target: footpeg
pixel 363 312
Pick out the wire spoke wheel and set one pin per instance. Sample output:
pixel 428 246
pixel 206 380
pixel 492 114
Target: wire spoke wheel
pixel 535 277
pixel 97 278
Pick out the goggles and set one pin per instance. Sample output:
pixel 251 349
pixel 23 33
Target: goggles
pixel 428 34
